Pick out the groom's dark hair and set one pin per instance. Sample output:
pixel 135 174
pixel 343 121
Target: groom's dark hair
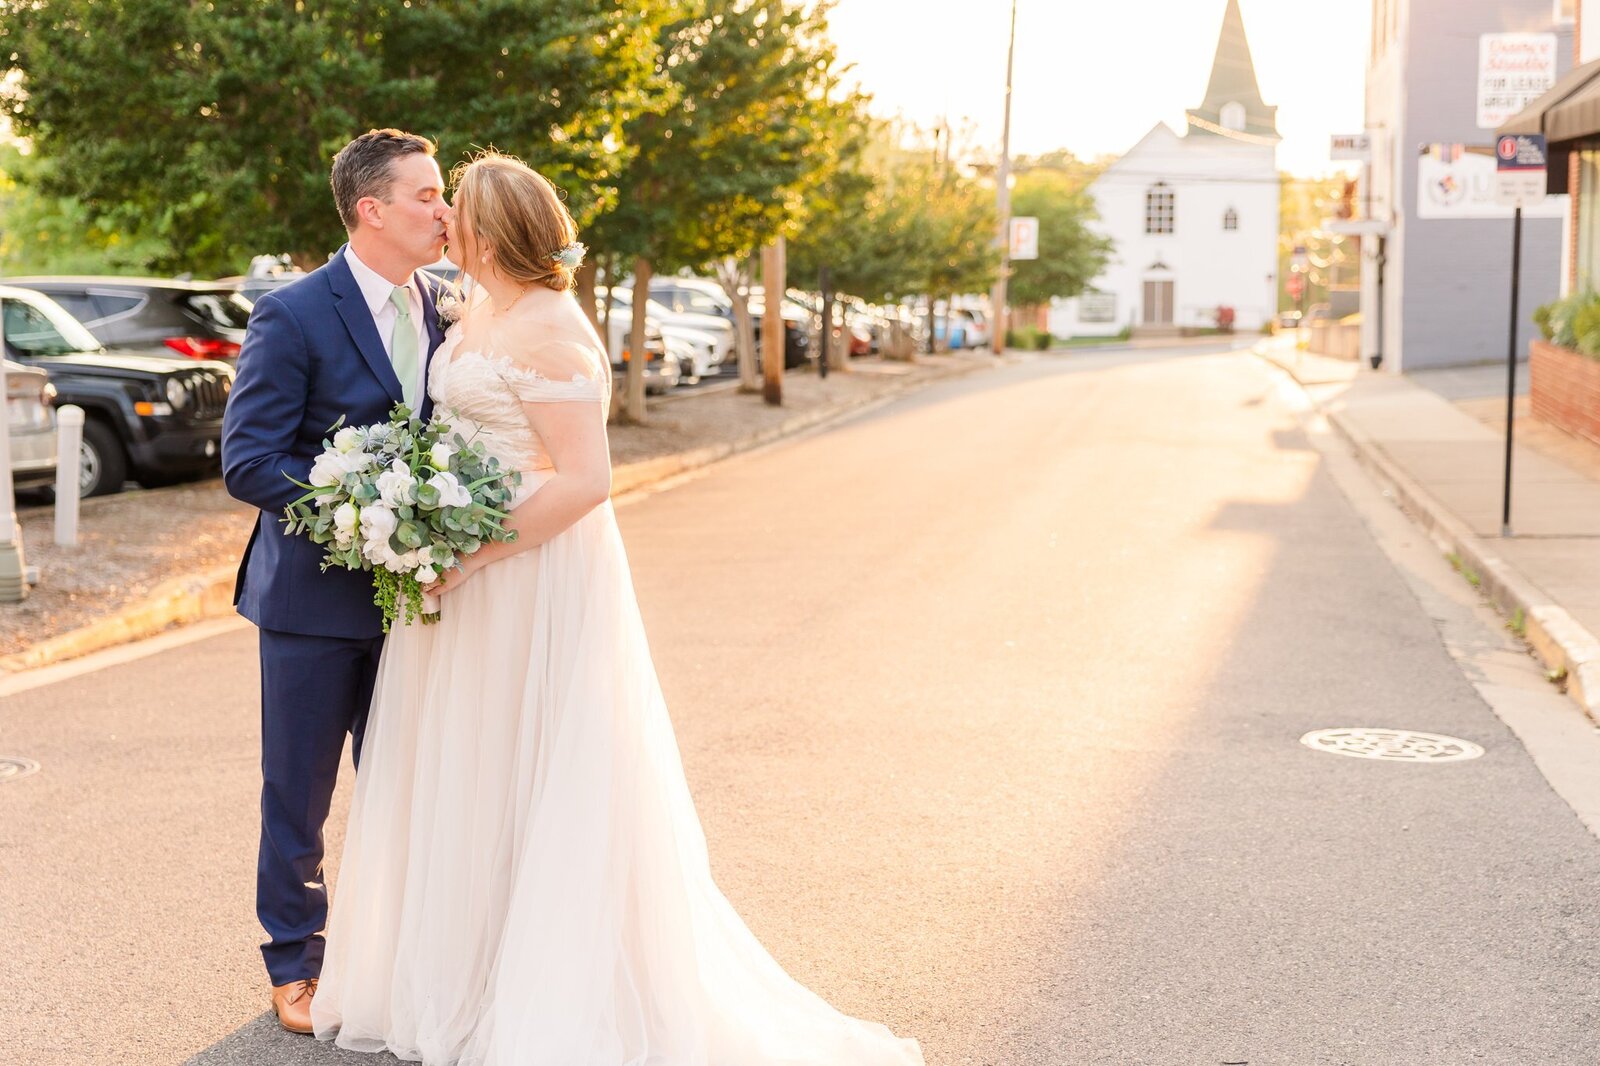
pixel 364 167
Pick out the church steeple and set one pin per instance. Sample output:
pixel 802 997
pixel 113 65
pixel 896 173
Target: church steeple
pixel 1233 104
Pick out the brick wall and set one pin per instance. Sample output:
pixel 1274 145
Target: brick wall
pixel 1565 389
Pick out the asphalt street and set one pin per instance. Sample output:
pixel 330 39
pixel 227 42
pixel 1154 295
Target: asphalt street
pixel 991 702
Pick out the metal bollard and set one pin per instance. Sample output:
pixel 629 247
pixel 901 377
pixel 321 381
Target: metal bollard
pixel 69 443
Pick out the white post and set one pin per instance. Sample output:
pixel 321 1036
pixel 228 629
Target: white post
pixel 13 570
pixel 69 442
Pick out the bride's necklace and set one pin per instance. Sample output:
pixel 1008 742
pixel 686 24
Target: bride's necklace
pixel 513 301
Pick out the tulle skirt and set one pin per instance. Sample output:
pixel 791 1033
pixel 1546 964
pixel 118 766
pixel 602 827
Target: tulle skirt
pixel 525 881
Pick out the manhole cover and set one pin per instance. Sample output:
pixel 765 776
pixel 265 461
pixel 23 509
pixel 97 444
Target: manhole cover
pixel 1392 745
pixel 14 766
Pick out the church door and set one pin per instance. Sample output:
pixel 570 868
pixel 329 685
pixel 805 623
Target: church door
pixel 1158 303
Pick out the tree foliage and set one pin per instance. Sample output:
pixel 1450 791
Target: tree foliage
pixel 211 125
pixel 43 234
pixel 751 131
pixel 730 165
pixel 1303 205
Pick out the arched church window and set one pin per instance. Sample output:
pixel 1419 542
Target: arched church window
pixel 1230 219
pixel 1159 208
pixel 1233 116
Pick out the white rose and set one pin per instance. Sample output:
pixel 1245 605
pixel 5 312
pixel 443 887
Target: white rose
pixel 380 554
pixel 359 460
pixel 439 456
pixel 378 524
pixel 452 493
pixel 427 575
pixel 347 439
pixel 328 469
pixel 345 519
pixel 396 485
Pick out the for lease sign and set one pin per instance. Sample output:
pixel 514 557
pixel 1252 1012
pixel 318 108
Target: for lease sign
pixel 1514 69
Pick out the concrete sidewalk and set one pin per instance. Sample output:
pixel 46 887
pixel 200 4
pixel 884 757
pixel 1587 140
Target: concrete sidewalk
pixel 1431 439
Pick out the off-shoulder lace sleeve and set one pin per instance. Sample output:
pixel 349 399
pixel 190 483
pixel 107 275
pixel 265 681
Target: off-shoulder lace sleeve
pixel 555 371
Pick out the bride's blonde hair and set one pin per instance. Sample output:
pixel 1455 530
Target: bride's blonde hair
pixel 514 209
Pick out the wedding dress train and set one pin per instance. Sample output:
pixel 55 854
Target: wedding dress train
pixel 525 881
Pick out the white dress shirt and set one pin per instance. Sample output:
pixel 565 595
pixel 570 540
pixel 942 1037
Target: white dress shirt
pixel 375 289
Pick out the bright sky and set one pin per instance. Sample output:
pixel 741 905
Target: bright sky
pixel 1094 77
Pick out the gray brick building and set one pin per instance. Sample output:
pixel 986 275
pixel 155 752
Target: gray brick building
pixel 1435 274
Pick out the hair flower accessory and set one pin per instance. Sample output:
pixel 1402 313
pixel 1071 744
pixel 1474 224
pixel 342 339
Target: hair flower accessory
pixel 571 256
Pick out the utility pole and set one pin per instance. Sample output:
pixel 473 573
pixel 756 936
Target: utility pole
pixel 997 297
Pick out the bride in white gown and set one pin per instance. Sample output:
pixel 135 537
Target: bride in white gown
pixel 525 881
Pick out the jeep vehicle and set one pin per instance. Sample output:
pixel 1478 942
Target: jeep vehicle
pixel 154 418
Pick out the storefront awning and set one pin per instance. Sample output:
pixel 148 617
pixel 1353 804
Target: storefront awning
pixel 1570 111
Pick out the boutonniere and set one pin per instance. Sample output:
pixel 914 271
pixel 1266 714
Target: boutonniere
pixel 448 307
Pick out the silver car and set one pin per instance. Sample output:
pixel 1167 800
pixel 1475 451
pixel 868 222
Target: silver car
pixel 31 415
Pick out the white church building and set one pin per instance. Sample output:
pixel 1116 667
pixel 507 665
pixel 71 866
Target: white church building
pixel 1193 220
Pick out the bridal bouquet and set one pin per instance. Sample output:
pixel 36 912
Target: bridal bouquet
pixel 405 500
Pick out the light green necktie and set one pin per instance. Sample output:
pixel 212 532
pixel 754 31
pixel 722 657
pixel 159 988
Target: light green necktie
pixel 403 346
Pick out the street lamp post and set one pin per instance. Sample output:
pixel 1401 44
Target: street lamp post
pixel 997 297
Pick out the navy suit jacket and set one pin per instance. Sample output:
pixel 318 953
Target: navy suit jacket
pixel 312 355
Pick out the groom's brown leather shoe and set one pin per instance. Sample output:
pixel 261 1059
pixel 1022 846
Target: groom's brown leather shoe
pixel 293 1004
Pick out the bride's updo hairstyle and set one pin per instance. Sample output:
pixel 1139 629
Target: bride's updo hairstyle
pixel 513 209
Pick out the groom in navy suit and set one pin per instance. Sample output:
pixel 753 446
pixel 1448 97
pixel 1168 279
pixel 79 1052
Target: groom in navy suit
pixel 351 340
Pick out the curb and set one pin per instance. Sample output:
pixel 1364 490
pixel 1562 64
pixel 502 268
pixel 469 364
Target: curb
pixel 1559 641
pixel 182 600
pixel 209 594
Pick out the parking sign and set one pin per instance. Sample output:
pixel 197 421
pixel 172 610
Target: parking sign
pixel 1520 169
pixel 1024 238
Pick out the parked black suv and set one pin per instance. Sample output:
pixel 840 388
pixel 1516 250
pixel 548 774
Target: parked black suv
pixel 156 418
pixel 198 319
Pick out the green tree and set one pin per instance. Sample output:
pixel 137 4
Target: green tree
pixel 729 166
pixel 42 234
pixel 1070 253
pixel 212 125
pixel 1304 204
pixel 954 223
pixel 855 224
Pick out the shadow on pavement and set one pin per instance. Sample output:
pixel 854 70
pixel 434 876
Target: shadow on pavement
pixel 264 1041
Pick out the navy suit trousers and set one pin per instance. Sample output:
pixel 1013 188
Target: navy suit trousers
pixel 314 693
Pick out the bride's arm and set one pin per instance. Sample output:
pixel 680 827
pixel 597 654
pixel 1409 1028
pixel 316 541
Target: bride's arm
pixel 574 436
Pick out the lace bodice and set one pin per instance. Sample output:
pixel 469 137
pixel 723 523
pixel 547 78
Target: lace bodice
pixel 540 350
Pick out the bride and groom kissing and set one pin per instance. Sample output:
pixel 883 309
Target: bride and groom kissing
pixel 524 877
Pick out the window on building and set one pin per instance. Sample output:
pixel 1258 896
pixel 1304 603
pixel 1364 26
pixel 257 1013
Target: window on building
pixel 1230 220
pixel 1097 307
pixel 1233 115
pixel 1159 211
pixel 1566 12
